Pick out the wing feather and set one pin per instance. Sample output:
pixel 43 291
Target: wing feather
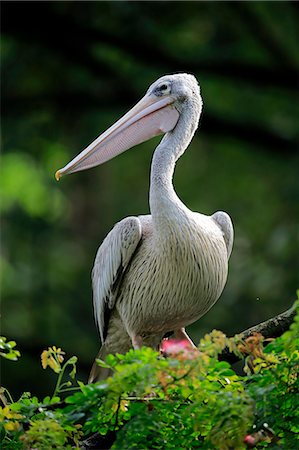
pixel 225 224
pixel 112 259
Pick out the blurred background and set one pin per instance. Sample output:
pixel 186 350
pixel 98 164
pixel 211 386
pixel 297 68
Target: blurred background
pixel 69 70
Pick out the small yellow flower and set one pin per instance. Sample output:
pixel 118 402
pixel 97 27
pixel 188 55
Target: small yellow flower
pixel 10 419
pixel 53 357
pixel 53 364
pixel 7 413
pixel 3 412
pixel 44 358
pixel 12 426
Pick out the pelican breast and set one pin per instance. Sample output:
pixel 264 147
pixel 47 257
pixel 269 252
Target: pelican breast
pixel 174 277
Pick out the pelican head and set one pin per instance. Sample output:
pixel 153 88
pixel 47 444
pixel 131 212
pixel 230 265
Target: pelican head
pixel 158 112
pixel 182 87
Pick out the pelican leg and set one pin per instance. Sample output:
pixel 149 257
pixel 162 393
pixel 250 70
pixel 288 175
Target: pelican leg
pixel 137 341
pixel 181 334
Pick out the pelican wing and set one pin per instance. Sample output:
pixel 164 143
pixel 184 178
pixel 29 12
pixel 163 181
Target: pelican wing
pixel 225 224
pixel 112 260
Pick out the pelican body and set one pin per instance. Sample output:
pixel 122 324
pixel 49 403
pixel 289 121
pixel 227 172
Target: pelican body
pixel 155 274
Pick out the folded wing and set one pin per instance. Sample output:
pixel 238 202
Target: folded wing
pixel 112 260
pixel 226 226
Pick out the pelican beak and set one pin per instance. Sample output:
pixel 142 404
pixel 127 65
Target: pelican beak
pixel 150 117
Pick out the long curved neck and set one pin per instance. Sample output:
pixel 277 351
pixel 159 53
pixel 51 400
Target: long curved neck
pixel 162 193
pixel 163 198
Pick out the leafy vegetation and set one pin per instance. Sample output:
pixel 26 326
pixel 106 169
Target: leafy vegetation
pixel 7 349
pixel 185 399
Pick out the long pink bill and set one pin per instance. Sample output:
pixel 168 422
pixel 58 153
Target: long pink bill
pixel 149 118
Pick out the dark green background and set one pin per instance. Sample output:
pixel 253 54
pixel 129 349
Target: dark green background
pixel 69 70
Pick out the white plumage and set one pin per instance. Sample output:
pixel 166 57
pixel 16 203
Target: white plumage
pixel 157 273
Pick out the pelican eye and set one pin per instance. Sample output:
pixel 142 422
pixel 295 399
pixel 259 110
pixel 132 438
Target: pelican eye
pixel 163 89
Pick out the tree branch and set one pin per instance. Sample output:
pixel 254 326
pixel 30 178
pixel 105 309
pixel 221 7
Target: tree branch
pixel 97 441
pixel 271 328
pixel 274 327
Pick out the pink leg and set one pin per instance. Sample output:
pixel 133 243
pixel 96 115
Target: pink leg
pixel 136 342
pixel 181 334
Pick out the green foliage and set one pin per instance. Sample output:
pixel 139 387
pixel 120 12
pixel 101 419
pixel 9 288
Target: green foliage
pixel 275 387
pixel 47 434
pixel 45 426
pixel 190 400
pixel 7 349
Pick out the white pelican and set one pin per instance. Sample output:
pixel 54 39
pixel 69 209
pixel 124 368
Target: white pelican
pixel 157 273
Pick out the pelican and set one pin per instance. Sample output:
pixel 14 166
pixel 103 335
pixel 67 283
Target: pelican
pixel 155 274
